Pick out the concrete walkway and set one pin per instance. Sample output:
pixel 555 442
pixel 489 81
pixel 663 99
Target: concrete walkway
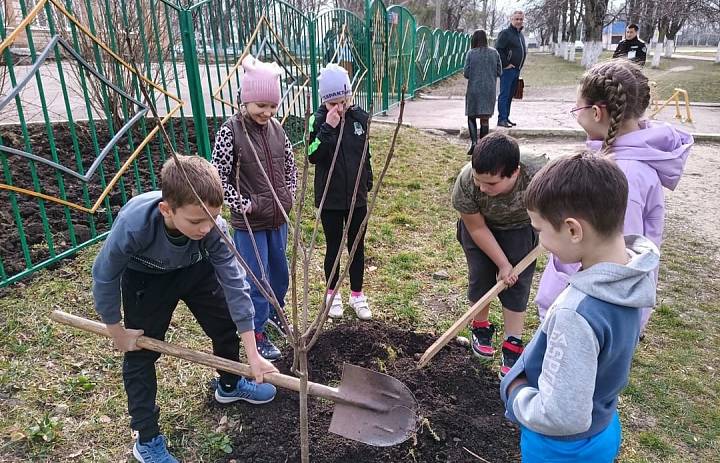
pixel 537 118
pixel 709 57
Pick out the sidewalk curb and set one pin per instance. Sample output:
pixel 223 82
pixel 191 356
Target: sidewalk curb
pixel 538 132
pixel 421 96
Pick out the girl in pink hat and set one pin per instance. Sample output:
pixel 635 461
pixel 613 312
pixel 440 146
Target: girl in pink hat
pixel 249 182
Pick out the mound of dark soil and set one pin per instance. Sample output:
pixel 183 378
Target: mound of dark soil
pixel 458 398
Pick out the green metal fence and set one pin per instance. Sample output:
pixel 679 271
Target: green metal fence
pixel 76 136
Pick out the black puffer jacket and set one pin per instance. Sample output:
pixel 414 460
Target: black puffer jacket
pixel 347 167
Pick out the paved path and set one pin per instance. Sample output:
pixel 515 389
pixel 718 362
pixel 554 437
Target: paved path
pixel 532 116
pixel 709 57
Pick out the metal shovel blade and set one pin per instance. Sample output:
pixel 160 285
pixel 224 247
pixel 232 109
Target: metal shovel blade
pixel 375 408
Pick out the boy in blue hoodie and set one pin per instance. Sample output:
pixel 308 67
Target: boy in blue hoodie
pixel 161 249
pixel 563 391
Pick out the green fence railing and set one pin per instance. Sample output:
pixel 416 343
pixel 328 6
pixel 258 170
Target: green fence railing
pixel 76 137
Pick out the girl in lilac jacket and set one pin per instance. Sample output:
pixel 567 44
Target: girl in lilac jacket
pixel 611 101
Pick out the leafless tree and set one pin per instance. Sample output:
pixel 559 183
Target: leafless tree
pixel 154 53
pixel 309 7
pixel 593 22
pixel 356 6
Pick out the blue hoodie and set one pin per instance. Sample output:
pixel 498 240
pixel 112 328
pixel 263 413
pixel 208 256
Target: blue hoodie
pixel 579 359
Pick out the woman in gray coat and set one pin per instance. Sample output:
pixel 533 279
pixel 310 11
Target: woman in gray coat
pixel 482 69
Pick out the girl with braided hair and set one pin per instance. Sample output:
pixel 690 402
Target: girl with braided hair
pixel 611 101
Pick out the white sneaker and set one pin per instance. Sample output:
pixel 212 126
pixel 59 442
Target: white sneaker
pixel 336 305
pixel 360 304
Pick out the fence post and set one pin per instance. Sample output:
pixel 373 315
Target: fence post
pixel 192 69
pixel 369 58
pixel 386 67
pixel 412 85
pixel 312 32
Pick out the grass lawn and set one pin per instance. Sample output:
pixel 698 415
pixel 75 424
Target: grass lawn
pixel 700 78
pixel 61 395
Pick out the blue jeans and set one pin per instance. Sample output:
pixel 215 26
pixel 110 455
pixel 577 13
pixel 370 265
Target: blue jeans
pixel 603 447
pixel 271 246
pixel 508 85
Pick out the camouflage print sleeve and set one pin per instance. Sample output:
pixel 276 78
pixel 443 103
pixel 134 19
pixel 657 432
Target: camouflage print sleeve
pixel 463 194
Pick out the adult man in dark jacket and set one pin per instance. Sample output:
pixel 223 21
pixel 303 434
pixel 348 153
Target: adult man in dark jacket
pixel 510 44
pixel 632 47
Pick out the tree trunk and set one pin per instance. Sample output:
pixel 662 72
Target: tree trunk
pixel 669 48
pixel 485 14
pixel 717 55
pixel 571 55
pixel 304 419
pixel 633 11
pixel 593 20
pixel 648 20
pixel 657 54
pixel 438 10
pixel 591 53
pixel 662 30
pixel 675 25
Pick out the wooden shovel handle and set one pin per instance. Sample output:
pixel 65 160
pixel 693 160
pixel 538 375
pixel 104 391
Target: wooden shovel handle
pixel 482 302
pixel 279 380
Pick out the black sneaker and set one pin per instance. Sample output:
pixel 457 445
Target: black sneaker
pixel 275 321
pixel 511 349
pixel 482 342
pixel 470 151
pixel 504 124
pixel 511 123
pixel 266 348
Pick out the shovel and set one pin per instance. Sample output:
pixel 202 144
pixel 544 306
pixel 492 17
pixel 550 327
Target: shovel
pixel 370 407
pixel 482 302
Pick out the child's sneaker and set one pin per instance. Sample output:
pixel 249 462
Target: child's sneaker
pixel 153 451
pixel 275 321
pixel 512 347
pixel 482 341
pixel 246 390
pixel 336 306
pixel 360 304
pixel 266 348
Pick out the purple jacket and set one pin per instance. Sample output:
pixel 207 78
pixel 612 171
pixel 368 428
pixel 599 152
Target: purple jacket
pixel 651 158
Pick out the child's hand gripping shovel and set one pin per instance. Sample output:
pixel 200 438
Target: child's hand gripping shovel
pixel 370 407
pixel 482 302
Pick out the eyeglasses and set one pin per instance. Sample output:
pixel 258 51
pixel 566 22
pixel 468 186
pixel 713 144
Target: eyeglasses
pixel 574 111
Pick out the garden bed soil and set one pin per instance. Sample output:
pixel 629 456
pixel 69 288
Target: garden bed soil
pixel 84 226
pixel 458 400
pixel 36 229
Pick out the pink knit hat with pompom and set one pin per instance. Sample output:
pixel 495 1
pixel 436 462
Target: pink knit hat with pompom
pixel 261 81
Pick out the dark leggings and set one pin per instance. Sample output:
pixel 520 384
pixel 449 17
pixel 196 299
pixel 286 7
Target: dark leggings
pixel 333 222
pixel 484 127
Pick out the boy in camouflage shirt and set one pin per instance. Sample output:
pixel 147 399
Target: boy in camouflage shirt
pixel 495 233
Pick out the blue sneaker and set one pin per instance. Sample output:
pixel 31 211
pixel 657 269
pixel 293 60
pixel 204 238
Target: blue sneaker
pixel 249 391
pixel 266 348
pixel 154 451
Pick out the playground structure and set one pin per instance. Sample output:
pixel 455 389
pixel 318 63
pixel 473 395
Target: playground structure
pixel 76 142
pixel 656 106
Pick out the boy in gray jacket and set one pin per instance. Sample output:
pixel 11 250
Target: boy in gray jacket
pixel 161 249
pixel 563 391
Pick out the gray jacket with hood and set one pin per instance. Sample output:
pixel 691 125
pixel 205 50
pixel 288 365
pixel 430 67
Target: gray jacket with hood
pixel 579 359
